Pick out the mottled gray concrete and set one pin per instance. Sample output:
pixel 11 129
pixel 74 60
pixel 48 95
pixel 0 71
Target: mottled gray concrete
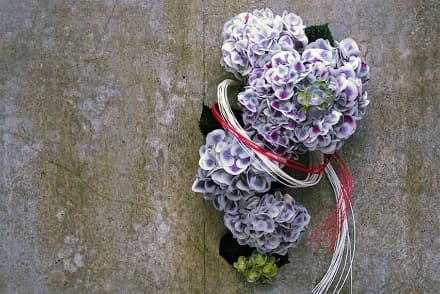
pixel 98 123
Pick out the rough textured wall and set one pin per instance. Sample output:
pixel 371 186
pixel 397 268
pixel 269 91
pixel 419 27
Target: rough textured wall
pixel 99 147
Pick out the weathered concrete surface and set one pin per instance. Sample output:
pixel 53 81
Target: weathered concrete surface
pixel 98 123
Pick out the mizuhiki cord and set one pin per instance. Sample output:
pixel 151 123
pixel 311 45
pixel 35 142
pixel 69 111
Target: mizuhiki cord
pixel 343 246
pixel 330 228
pixel 269 166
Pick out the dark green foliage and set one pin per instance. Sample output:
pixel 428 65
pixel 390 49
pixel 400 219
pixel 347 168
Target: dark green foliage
pixel 314 33
pixel 208 123
pixel 230 250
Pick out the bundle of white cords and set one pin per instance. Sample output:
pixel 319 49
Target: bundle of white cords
pixel 344 249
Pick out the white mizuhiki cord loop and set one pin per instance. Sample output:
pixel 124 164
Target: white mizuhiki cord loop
pixel 343 246
pixel 269 166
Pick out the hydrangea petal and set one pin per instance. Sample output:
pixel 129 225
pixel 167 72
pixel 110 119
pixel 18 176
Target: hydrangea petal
pixel 215 137
pixel 208 161
pixel 221 177
pixel 198 186
pixel 226 157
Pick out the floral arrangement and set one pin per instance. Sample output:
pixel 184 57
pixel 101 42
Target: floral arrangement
pixel 302 93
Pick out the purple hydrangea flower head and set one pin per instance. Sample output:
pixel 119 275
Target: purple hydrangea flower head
pixel 250 39
pixel 227 173
pixel 271 223
pixel 308 101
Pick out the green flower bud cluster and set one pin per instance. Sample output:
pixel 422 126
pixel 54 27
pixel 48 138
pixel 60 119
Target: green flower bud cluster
pixel 257 267
pixel 317 95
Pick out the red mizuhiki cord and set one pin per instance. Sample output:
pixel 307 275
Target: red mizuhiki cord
pixel 330 228
pixel 290 163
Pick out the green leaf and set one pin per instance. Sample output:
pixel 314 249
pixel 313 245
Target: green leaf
pixel 207 122
pixel 316 32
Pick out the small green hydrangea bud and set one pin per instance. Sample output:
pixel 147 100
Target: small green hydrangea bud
pixel 252 276
pixel 272 259
pixel 270 270
pixel 241 264
pixel 258 259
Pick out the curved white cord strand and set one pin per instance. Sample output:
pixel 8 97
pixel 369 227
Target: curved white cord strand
pixel 350 269
pixel 269 166
pixel 324 285
pixel 343 246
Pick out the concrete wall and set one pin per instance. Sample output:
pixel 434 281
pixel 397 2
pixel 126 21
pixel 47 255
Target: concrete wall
pixel 99 147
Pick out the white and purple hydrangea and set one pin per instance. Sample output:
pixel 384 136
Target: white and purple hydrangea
pixel 308 101
pixel 271 223
pixel 250 39
pixel 227 173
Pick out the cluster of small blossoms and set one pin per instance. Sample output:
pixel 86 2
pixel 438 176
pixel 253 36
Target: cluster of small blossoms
pixel 227 173
pixel 257 268
pixel 300 97
pixel 236 184
pixel 308 101
pixel 250 38
pixel 271 223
